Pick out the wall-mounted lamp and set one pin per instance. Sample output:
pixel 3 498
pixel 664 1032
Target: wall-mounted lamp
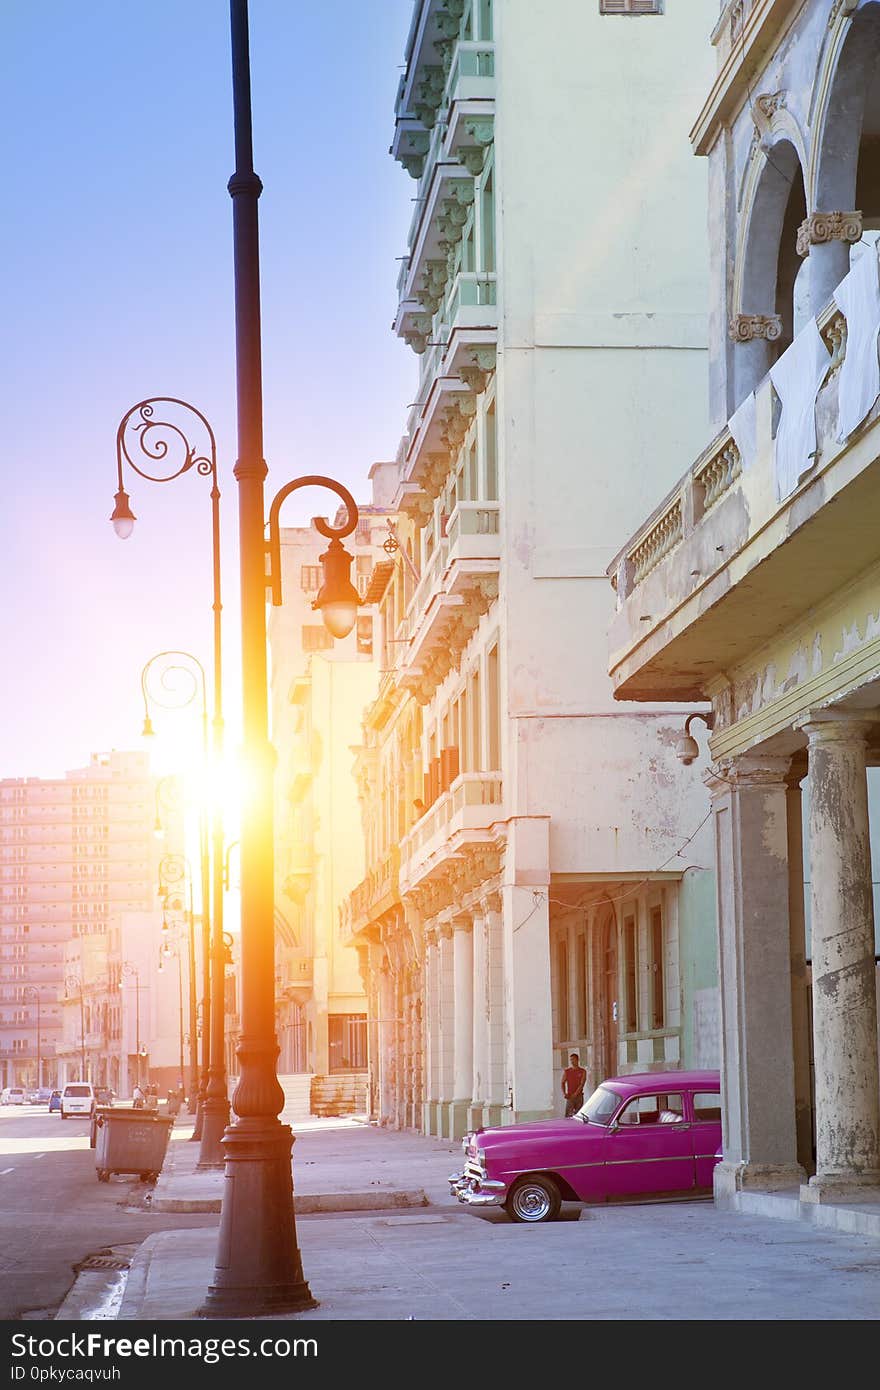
pixel 686 747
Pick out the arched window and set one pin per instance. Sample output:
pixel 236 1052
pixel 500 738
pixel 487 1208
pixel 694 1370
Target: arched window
pixel 848 158
pixel 775 291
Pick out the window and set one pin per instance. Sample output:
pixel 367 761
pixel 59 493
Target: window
pixel 658 1005
pixel 310 578
pixel 365 636
pixel 316 638
pixel 347 1039
pixel 707 1106
pixel 582 986
pixel 660 1109
pixel 630 6
pixel 630 955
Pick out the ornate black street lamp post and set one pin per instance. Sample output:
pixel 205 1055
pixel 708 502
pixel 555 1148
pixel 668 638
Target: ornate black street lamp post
pixel 164 689
pixel 168 438
pixel 32 992
pixel 78 985
pixel 174 869
pixel 258 1270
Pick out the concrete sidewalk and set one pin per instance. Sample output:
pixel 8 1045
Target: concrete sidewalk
pixel 382 1239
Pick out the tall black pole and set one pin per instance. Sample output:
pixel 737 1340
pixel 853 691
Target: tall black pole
pixel 258 1270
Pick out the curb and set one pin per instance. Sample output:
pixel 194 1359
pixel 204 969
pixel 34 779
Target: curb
pixel 309 1204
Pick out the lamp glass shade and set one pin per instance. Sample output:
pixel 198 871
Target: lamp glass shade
pixel 339 616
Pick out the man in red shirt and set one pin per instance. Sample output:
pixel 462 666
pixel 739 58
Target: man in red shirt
pixel 574 1078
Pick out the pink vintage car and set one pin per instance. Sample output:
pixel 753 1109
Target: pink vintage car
pixel 652 1135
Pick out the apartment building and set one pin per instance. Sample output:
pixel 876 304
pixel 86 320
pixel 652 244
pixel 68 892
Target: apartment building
pixel 761 597
pixel 77 854
pixel 536 878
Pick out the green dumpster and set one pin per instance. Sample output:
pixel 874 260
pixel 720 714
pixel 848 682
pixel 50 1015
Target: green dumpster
pixel 130 1141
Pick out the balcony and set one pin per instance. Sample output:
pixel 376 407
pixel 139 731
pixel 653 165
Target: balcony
pixel 725 563
pixel 377 893
pixel 464 816
pixel 458 585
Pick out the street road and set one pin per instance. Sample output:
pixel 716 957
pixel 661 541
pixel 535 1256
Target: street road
pixel 54 1212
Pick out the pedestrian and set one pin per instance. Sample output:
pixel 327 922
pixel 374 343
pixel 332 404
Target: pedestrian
pixel 137 1096
pixel 574 1079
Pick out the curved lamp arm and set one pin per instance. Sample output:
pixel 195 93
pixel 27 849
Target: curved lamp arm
pixel 179 702
pixel 158 439
pixel 333 533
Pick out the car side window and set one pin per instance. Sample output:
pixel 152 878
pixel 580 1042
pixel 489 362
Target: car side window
pixel 707 1106
pixel 662 1108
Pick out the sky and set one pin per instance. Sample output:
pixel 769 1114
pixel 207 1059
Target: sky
pixel 118 285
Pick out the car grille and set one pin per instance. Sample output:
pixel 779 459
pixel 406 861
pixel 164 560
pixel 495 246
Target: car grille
pixel 474 1169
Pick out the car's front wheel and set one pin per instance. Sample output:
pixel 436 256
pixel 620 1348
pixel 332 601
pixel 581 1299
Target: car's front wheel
pixel 534 1199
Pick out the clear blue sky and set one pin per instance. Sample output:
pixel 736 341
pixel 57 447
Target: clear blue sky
pixel 117 257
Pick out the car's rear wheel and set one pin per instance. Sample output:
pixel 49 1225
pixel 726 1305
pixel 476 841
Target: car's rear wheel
pixel 534 1199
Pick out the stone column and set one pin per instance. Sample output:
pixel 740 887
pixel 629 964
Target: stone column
pixel 479 1085
pixel 757 1081
pixel 446 1038
pixel 463 1069
pixel 800 1003
pixel 527 967
pixel 496 1091
pixel 842 935
pixel 387 1035
pixel 431 1100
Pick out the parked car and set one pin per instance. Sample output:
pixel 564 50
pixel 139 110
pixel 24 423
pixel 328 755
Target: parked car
pixel 44 1095
pixel 77 1098
pixel 54 1101
pixel 654 1135
pixel 13 1095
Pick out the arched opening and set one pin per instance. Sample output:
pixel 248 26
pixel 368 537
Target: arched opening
pixel 848 163
pixel 773 281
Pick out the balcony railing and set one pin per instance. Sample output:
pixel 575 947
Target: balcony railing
pixel 689 567
pixel 463 813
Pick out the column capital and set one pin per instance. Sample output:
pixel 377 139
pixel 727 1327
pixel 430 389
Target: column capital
pixel 492 902
pixel 463 922
pixel 743 328
pixel 748 770
pixel 836 726
pixel 821 227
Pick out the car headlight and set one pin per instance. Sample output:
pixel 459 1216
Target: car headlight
pixel 481 1157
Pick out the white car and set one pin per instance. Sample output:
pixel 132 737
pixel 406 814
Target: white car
pixel 13 1095
pixel 77 1098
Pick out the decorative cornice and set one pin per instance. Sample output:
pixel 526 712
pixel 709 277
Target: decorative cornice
pixel 822 227
pixel 745 327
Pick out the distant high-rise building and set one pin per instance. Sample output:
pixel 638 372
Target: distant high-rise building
pixel 77 854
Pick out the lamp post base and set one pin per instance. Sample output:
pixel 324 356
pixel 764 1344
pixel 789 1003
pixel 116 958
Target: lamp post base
pixel 258 1269
pixel 215 1122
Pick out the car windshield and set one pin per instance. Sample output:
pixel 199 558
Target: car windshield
pixel 600 1106
pixel 77 1091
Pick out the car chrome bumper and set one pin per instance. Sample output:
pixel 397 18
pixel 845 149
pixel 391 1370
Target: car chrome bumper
pixel 476 1193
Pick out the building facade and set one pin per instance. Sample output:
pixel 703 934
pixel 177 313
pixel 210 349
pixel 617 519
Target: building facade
pixel 535 880
pixel 761 590
pixel 77 855
pixel 319 688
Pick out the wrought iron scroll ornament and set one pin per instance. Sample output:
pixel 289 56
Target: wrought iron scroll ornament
pixel 145 438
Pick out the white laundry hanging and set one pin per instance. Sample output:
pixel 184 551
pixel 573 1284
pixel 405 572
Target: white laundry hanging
pixel 796 378
pixel 858 298
pixel 743 426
